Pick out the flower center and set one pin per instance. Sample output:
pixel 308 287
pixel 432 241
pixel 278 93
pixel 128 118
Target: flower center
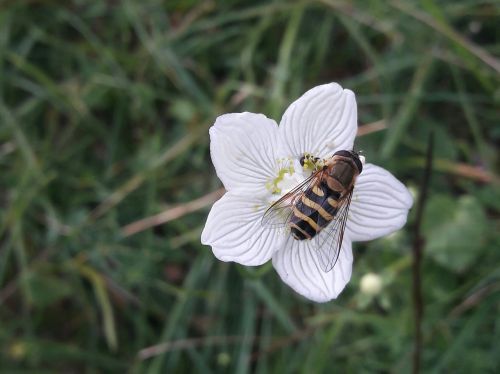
pixel 291 173
pixel 285 172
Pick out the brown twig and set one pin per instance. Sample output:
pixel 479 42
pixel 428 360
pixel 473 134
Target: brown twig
pixel 191 16
pixel 468 171
pixel 371 128
pixel 181 344
pixel 161 348
pixel 473 172
pixel 475 298
pixel 418 246
pixel 172 213
pixel 281 343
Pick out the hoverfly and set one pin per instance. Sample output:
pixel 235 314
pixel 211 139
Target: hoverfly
pixel 317 208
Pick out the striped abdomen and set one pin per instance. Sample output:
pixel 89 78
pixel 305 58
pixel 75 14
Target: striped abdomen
pixel 315 210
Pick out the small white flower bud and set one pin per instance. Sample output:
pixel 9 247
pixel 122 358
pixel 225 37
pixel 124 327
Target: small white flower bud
pixel 371 284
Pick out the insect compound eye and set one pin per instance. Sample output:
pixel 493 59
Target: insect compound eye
pixel 358 162
pixel 353 155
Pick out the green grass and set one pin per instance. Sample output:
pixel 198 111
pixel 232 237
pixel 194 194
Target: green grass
pixel 104 116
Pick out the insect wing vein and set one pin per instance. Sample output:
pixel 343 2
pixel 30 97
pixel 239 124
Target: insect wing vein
pixel 328 242
pixel 279 213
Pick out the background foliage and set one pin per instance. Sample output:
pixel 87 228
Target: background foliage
pixel 104 112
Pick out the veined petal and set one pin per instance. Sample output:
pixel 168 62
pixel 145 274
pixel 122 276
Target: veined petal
pixel 234 231
pixel 298 266
pixel 379 205
pixel 320 122
pixel 243 150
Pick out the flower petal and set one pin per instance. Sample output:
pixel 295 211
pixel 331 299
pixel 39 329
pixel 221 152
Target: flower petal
pixel 298 266
pixel 379 205
pixel 321 121
pixel 234 231
pixel 243 150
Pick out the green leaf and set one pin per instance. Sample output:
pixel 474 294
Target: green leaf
pixel 455 231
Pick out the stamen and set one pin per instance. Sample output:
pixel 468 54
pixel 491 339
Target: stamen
pixel 285 167
pixel 311 163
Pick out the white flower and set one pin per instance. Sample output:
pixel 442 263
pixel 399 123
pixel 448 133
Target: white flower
pixel 258 161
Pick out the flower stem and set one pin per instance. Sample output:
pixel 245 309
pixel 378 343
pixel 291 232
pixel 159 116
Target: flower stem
pixel 418 245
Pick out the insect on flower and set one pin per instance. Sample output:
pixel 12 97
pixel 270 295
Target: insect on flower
pixel 317 208
pixel 296 193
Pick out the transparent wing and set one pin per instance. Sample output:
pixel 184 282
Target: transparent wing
pixel 329 241
pixel 278 215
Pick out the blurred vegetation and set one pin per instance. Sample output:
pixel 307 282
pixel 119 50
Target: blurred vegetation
pixel 104 112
